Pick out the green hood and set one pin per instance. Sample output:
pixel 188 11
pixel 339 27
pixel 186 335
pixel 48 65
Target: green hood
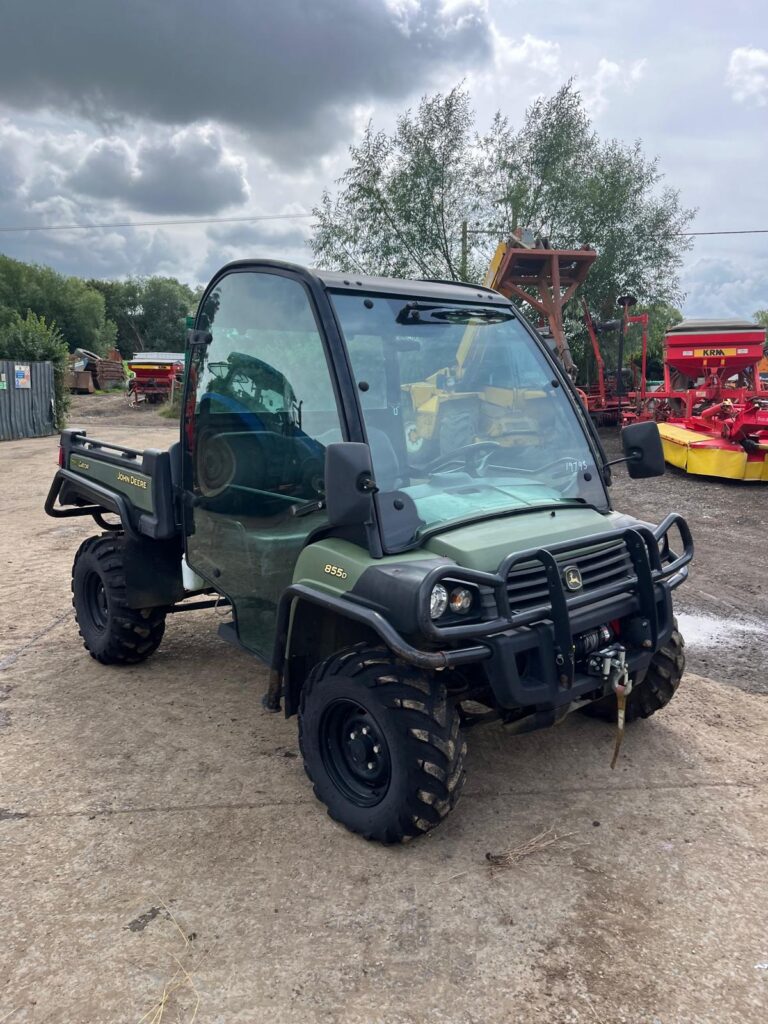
pixel 483 545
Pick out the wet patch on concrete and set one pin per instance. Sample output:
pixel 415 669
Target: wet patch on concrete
pixel 730 648
pixel 715 630
pixel 8 815
pixel 140 923
pixel 5 719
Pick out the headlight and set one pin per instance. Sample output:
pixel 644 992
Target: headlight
pixel 438 601
pixel 460 600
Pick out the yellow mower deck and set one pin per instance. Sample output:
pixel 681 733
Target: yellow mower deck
pixel 704 455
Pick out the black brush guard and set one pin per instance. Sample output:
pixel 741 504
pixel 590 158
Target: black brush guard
pixel 645 548
pixel 657 570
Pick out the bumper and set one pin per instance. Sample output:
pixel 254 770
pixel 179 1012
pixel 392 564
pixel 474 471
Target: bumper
pixel 522 672
pixel 530 657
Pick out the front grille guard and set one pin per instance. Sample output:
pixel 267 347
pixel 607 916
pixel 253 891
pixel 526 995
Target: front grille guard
pixel 644 547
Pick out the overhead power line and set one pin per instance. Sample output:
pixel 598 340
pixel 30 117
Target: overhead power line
pixel 748 231
pixel 687 234
pixel 155 223
pixel 18 229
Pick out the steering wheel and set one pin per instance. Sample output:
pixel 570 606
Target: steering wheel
pixel 466 454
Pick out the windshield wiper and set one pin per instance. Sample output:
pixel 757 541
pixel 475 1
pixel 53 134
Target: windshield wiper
pixel 544 506
pixel 419 313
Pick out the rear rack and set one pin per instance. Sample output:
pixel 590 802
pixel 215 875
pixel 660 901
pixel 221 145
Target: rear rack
pixel 84 496
pixel 93 444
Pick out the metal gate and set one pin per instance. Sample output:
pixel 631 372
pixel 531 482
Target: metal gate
pixel 26 399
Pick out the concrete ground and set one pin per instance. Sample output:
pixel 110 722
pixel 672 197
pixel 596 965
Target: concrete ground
pixel 163 857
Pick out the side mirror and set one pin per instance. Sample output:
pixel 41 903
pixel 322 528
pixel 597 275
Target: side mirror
pixel 197 338
pixel 349 483
pixel 643 450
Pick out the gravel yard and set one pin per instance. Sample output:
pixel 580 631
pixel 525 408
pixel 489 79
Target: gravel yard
pixel 164 857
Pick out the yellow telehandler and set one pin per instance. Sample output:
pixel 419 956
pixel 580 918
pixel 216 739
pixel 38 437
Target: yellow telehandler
pixel 452 407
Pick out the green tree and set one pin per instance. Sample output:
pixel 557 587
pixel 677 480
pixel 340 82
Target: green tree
pixel 32 338
pixel 149 313
pixel 122 306
pixel 661 316
pixel 400 205
pixel 761 317
pixel 166 304
pixel 76 308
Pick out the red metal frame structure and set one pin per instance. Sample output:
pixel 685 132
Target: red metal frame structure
pixel 605 399
pixel 554 274
pixel 547 279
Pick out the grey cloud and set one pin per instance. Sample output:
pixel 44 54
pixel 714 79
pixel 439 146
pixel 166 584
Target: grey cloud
pixel 268 239
pixel 188 173
pixel 723 287
pixel 105 170
pixel 10 174
pixel 260 233
pixel 99 254
pixel 290 73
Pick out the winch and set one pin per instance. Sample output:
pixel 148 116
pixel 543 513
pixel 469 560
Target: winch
pixel 585 643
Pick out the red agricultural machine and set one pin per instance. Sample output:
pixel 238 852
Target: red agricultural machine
pixel 713 406
pixel 157 376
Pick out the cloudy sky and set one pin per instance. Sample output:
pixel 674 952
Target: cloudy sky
pixel 152 110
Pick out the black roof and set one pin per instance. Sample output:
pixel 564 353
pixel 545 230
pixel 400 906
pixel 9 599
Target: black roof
pixel 444 291
pixel 448 291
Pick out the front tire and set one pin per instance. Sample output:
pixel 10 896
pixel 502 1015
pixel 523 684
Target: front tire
pixel 657 688
pixel 458 427
pixel 381 744
pixel 112 633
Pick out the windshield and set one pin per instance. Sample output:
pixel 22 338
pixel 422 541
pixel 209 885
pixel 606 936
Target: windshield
pixel 462 414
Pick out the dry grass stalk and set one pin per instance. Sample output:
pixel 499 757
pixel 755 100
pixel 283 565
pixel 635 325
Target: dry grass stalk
pixel 536 844
pixel 181 978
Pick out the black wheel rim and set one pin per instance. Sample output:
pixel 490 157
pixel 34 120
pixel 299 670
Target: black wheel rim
pixel 355 753
pixel 96 601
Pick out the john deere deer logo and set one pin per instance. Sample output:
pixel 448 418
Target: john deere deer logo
pixel 572 577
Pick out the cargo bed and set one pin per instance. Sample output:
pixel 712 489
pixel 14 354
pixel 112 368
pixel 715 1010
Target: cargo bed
pixel 97 477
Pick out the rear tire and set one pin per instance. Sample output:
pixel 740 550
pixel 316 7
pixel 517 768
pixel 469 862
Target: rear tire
pixel 381 744
pixel 215 463
pixel 657 688
pixel 112 633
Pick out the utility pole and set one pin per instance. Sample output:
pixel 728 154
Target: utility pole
pixel 463 266
pixel 625 301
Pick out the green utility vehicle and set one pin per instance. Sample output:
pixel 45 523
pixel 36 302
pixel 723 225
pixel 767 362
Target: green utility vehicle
pixel 406 570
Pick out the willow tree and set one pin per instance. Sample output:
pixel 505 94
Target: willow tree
pixel 400 207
